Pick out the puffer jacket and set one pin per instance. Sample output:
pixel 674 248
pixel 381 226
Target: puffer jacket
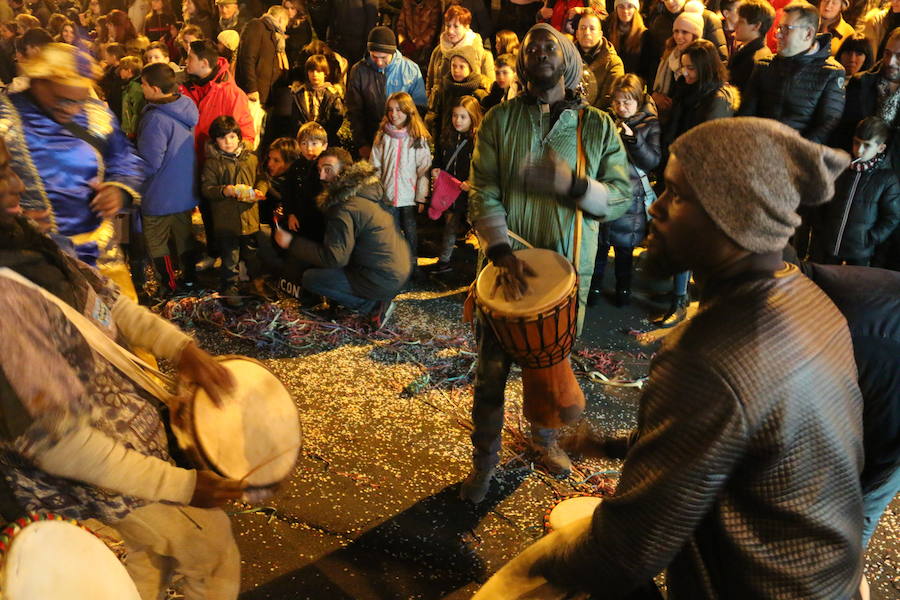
pixel 606 66
pixel 861 101
pixel 403 167
pixel 864 212
pixel 368 89
pixel 805 92
pixel 230 215
pixel 692 106
pixel 166 143
pixel 644 152
pixel 216 96
pixel 290 108
pixel 361 236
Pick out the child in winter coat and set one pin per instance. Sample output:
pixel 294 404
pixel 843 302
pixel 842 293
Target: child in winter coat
pixel 865 209
pixel 461 81
pixel 505 86
pixel 132 94
pixel 640 133
pixel 402 159
pixel 229 174
pixel 453 154
pixel 165 141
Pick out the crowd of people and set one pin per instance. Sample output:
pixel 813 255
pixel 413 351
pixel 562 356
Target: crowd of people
pixel 313 139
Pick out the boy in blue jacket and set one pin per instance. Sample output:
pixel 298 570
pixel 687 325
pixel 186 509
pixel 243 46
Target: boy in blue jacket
pixel 165 141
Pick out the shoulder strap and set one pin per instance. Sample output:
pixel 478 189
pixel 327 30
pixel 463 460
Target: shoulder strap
pixel 86 136
pixel 580 168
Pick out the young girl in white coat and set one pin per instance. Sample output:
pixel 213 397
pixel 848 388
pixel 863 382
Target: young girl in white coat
pixel 402 159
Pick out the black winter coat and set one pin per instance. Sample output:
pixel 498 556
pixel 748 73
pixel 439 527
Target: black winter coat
pixel 850 227
pixel 691 107
pixel 644 152
pixel 741 63
pixel 349 24
pixel 460 166
pixel 870 301
pixel 861 102
pixel 445 95
pixel 366 98
pixel 289 110
pixel 257 67
pixel 805 92
pixel 302 187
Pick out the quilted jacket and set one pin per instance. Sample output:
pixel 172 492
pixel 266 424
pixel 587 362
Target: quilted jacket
pixel 805 92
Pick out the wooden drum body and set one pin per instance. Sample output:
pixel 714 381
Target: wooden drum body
pixel 539 330
pixel 255 436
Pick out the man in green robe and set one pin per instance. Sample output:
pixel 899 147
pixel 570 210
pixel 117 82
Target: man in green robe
pixel 523 180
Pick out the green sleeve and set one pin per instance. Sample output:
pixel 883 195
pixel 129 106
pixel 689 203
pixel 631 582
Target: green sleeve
pixel 612 168
pixel 484 195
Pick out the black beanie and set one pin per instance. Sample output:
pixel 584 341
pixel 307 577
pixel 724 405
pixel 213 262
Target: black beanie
pixel 382 39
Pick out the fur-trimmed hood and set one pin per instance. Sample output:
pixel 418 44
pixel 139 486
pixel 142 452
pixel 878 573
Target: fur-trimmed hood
pixel 358 180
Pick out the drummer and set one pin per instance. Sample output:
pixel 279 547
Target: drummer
pixel 742 478
pixel 523 178
pixel 79 439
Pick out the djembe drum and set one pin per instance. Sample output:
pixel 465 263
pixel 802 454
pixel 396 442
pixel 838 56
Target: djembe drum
pixel 45 557
pixel 254 436
pixel 538 330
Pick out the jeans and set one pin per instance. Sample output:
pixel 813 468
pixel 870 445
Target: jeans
pixel 333 284
pixel 680 283
pixel 875 501
pixel 406 219
pixel 452 221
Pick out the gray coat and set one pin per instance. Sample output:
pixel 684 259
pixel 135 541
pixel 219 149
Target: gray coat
pixel 361 236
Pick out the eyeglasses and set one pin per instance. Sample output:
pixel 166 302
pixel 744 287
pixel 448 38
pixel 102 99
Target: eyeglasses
pixel 785 29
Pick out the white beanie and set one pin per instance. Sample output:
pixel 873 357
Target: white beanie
pixel 691 19
pixel 635 3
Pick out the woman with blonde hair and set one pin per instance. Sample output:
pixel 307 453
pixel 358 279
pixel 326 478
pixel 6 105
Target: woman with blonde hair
pixel 626 31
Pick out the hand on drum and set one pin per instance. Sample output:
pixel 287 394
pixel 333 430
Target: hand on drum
pixel 196 366
pixel 584 441
pixel 212 491
pixel 511 278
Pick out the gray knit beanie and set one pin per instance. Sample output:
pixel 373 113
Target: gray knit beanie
pixel 382 39
pixel 751 174
pixel 571 56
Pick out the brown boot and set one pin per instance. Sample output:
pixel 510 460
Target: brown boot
pixel 549 453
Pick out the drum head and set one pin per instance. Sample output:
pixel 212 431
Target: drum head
pixel 257 432
pixel 58 560
pixel 554 281
pixel 572 509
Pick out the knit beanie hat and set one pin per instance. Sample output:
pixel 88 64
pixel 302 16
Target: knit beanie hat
pixel 635 3
pixel 691 19
pixel 382 39
pixel 571 57
pixel 468 53
pixel 753 195
pixel 230 39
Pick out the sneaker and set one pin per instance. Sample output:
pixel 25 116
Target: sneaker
pixel 231 296
pixel 382 314
pixel 440 267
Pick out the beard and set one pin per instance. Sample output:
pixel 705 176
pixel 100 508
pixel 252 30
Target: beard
pixel 658 263
pixel 544 80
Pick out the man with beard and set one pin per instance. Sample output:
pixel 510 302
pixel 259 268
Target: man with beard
pixel 873 93
pixel 524 178
pixel 742 477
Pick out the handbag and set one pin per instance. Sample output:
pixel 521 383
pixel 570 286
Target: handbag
pixel 446 191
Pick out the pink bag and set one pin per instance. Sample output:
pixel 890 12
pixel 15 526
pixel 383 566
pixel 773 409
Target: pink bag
pixel 446 191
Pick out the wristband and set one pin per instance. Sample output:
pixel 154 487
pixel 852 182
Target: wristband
pixel 498 252
pixel 579 186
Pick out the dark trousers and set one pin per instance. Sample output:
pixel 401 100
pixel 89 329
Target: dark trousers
pixel 235 248
pixel 406 219
pixel 623 263
pixel 491 373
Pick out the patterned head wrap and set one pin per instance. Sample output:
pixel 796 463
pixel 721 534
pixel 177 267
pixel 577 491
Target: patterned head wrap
pixel 64 64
